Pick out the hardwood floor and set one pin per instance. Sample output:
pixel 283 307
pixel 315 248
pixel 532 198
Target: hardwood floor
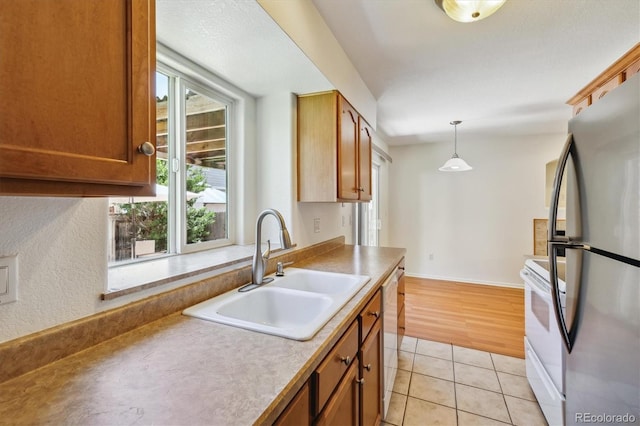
pixel 488 318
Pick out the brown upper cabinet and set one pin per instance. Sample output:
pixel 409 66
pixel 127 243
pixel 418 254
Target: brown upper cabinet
pixel 77 115
pixel 608 80
pixel 334 150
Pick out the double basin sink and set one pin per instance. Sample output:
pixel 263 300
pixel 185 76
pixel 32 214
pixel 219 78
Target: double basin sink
pixel 294 306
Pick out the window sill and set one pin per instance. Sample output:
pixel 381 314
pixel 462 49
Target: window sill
pixel 136 277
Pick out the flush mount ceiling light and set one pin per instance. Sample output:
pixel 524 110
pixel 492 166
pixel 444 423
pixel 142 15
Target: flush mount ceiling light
pixel 469 10
pixel 455 163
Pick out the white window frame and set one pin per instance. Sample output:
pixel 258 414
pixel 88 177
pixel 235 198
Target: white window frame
pixel 180 155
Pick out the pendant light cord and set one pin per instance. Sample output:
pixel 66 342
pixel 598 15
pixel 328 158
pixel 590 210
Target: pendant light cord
pixel 455 140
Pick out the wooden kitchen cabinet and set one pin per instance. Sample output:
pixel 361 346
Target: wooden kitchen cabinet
pixel 298 411
pixel 346 388
pixel 371 354
pixel 401 297
pixel 370 315
pixel 615 75
pixel 334 366
pixel 334 150
pixel 343 407
pixel 78 85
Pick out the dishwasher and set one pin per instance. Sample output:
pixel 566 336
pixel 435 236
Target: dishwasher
pixel 389 337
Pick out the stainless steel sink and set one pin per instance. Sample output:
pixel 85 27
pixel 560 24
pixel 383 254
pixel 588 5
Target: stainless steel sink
pixel 295 306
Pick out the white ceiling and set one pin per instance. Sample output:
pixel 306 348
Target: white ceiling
pixel 238 41
pixel 507 75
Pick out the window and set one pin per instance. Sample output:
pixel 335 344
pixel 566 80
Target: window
pixel 190 211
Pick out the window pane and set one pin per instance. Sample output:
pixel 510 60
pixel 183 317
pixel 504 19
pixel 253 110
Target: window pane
pixel 206 168
pixel 138 225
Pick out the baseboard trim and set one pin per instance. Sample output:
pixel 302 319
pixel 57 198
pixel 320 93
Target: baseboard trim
pixel 466 281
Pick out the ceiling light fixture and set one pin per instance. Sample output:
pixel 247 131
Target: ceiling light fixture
pixel 455 163
pixel 469 10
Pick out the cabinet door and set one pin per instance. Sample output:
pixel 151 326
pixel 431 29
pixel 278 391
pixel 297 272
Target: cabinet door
pixel 298 411
pixel 365 141
pixel 401 299
pixel 601 91
pixel 347 151
pixel 78 89
pixel 371 373
pixel 343 407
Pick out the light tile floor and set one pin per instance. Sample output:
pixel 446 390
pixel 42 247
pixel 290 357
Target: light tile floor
pixel 443 384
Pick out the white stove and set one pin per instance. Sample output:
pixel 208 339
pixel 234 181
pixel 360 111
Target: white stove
pixel 544 350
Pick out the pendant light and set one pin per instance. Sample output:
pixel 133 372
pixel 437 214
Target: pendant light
pixel 455 163
pixel 469 10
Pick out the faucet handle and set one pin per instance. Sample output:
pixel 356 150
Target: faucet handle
pixel 267 252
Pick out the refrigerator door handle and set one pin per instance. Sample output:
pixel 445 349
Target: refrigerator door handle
pixel 568 334
pixel 567 151
pixel 560 241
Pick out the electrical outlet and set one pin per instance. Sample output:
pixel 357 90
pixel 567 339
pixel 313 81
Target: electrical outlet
pixel 430 256
pixel 316 225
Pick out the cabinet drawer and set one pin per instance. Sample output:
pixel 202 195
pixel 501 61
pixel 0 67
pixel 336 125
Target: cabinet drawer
pixel 334 366
pixel 370 314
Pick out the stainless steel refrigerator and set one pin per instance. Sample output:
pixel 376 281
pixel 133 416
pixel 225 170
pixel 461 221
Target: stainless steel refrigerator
pixel 601 329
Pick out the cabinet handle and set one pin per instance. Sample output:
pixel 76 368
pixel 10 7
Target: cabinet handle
pixel 346 360
pixel 361 381
pixel 602 94
pixel 361 189
pixel 375 314
pixel 147 149
pixel 368 367
pixel 401 293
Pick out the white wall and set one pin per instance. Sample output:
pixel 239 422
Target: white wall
pixel 305 26
pixel 61 244
pixel 478 225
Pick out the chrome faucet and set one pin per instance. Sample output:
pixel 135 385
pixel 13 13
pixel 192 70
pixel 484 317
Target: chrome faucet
pixel 260 259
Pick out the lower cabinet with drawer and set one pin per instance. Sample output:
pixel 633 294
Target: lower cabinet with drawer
pixel 346 388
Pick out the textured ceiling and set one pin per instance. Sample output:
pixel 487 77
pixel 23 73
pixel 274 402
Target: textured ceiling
pixel 509 74
pixel 238 41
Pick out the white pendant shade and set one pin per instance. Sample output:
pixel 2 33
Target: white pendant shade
pixel 470 10
pixel 455 164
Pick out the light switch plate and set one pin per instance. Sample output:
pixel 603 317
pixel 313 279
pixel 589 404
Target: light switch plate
pixel 4 279
pixel 8 279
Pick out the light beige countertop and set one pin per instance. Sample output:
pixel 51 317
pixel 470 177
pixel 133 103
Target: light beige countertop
pixel 185 371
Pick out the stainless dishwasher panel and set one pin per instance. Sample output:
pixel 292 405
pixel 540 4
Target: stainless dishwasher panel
pixel 389 337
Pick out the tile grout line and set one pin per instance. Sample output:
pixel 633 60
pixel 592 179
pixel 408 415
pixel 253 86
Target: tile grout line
pixel 455 391
pixel 501 389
